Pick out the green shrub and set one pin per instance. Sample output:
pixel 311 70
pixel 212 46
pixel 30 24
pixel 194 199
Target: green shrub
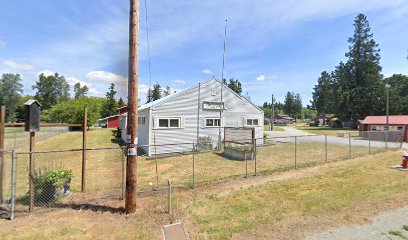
pixel 52 185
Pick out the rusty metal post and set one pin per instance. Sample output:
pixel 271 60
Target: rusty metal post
pixel 31 171
pixel 254 146
pixel 2 131
pixel 246 163
pixel 84 137
pixel 131 180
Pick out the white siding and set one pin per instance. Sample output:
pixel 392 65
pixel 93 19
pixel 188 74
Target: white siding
pixel 185 106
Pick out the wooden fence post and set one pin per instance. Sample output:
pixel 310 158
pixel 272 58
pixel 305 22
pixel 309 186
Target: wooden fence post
pixel 84 137
pixel 2 130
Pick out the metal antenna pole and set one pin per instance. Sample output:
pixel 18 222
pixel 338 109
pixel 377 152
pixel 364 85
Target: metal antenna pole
pixel 272 114
pixel 222 84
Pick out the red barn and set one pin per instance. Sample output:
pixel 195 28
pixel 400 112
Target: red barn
pixel 378 123
pixel 113 121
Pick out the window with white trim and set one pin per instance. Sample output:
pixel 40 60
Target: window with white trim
pixel 212 122
pixel 141 120
pixel 252 122
pixel 169 122
pixel 400 128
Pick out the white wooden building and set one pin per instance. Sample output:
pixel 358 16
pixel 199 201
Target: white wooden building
pixel 171 123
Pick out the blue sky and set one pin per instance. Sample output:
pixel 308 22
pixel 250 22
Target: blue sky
pixel 272 46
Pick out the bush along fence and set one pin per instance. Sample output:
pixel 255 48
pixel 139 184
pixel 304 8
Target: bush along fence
pixel 41 180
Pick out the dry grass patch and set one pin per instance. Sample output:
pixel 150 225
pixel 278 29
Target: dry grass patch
pixel 334 189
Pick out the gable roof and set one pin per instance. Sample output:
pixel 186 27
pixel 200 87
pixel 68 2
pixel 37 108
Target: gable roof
pixel 171 96
pixel 31 101
pixel 393 119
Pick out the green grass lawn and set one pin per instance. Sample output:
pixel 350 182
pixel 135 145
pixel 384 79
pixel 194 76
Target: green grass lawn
pixel 327 130
pixel 104 168
pixel 325 193
pixel 208 213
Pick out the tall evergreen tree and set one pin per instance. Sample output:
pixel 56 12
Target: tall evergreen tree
pixel 10 93
pixel 323 94
pixel 51 90
pixel 234 84
pixel 398 94
pixel 110 106
pixel 121 103
pixel 80 91
pixel 361 88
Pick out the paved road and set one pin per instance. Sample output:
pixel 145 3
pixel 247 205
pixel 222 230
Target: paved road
pixel 303 136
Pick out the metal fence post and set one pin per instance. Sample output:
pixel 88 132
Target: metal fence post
pixel 193 184
pixel 386 140
pixel 169 197
pixel 13 183
pixel 84 138
pixel 123 173
pixel 325 147
pixel 295 152
pixel 369 144
pixel 350 145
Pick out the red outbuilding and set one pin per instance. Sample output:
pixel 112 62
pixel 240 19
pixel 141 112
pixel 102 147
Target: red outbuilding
pixel 397 123
pixel 113 121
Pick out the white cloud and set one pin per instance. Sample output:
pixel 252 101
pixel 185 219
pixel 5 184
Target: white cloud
pixel 179 81
pixel 106 76
pixel 72 81
pixel 143 88
pixel 207 71
pixel 18 65
pixel 261 78
pixel 46 72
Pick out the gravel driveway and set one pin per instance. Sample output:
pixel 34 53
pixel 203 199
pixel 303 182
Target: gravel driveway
pixel 387 225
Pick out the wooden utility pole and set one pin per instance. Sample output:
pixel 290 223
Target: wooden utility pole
pixel 2 130
pixel 84 135
pixel 131 165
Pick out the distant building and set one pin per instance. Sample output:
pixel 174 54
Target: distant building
pixel 113 121
pixel 280 118
pixel 398 125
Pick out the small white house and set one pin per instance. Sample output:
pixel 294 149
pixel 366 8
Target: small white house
pixel 174 122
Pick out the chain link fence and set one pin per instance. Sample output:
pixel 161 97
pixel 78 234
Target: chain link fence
pixel 55 179
pixel 16 137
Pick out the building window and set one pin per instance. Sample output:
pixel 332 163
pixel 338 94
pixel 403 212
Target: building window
pixel 169 122
pixel 213 92
pixel 252 121
pixel 373 128
pixel 141 120
pixel 400 128
pixel 212 122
